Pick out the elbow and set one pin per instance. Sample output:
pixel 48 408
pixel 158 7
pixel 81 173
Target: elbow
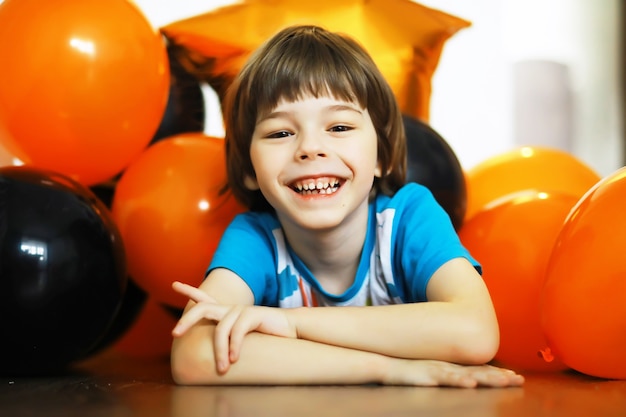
pixel 190 367
pixel 480 353
pixel 185 372
pixel 478 346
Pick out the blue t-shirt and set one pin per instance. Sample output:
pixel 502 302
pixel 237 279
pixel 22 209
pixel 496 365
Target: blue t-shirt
pixel 409 237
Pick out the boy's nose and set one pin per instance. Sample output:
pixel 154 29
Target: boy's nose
pixel 310 147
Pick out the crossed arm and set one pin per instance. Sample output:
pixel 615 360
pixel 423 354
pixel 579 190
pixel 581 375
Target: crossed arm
pixel 223 339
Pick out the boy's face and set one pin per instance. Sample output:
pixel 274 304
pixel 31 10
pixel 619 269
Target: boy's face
pixel 315 160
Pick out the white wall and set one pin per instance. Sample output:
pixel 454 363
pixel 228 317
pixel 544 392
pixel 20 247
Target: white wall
pixel 473 86
pixel 472 101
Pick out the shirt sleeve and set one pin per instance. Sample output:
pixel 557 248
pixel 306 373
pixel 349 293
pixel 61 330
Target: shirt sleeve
pixel 247 249
pixel 425 240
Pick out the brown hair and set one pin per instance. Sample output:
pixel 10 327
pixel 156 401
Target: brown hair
pixel 303 60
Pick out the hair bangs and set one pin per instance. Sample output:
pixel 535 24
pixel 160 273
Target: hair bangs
pixel 305 67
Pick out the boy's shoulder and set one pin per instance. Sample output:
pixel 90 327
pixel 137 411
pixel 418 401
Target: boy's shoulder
pixel 254 220
pixel 411 194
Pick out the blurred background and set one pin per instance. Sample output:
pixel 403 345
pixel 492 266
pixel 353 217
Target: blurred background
pixel 124 168
pixel 527 72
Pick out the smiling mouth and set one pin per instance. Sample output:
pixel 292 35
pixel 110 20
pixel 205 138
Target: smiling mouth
pixel 317 186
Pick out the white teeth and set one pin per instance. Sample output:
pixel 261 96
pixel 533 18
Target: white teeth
pixel 319 187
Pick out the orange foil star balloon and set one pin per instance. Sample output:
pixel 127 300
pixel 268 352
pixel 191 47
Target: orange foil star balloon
pixel 404 38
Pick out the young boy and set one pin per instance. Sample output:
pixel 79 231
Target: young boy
pixel 315 147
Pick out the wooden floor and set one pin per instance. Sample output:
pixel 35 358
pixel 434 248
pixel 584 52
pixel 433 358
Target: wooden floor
pixel 119 387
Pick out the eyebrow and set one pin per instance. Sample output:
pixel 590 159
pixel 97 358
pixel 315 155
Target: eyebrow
pixel 332 108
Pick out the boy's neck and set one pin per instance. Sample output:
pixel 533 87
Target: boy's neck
pixel 332 255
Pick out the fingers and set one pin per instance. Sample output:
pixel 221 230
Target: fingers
pixel 221 339
pixel 455 379
pixel 496 377
pixel 192 292
pixel 440 373
pixel 243 326
pixel 226 318
pixel 485 376
pixel 229 331
pixel 197 313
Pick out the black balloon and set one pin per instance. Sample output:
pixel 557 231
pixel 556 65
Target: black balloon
pixel 62 271
pixel 432 163
pixel 132 304
pixel 185 109
pixel 105 192
pixel 134 298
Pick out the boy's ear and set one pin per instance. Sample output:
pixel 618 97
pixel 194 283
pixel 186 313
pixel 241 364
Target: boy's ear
pixel 250 183
pixel 378 172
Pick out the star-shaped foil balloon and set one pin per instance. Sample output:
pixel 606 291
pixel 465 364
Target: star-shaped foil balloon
pixel 404 38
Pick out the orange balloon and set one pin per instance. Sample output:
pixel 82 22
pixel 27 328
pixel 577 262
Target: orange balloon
pixel 584 297
pixel 6 157
pixel 526 168
pixel 84 84
pixel 171 212
pixel 512 240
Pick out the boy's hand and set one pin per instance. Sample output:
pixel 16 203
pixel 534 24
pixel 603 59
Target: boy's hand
pixel 233 323
pixel 439 373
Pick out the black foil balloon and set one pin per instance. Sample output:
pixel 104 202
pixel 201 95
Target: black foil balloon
pixel 432 163
pixel 62 271
pixel 185 109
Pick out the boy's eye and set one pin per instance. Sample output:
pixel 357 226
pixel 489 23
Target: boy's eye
pixel 340 128
pixel 279 134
